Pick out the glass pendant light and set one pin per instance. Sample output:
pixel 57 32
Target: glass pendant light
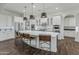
pixel 32 16
pixel 43 14
pixel 25 18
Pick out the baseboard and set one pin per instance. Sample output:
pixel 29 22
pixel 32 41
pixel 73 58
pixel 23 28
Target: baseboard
pixel 69 37
pixel 7 40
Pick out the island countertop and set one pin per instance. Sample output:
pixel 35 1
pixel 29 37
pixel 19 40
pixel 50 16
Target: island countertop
pixel 53 34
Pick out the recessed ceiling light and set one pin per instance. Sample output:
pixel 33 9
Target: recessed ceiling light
pixel 56 8
pixel 23 10
pixel 34 6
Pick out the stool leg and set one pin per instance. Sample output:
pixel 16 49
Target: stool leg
pixel 50 47
pixel 30 41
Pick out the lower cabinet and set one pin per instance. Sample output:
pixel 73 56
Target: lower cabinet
pixel 69 33
pixel 5 35
pixel 77 37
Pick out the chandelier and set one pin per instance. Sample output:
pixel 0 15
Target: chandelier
pixel 32 16
pixel 43 14
pixel 25 18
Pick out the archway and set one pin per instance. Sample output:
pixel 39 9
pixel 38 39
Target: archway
pixel 69 26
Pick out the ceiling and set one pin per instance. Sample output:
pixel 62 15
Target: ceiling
pixel 40 7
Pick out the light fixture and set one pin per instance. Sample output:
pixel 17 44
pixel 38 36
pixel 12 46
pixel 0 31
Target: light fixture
pixel 34 6
pixel 56 8
pixel 32 16
pixel 43 14
pixel 25 18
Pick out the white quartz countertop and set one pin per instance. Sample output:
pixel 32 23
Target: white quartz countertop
pixel 53 34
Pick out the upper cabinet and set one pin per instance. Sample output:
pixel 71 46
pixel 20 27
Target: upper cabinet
pixel 69 20
pixel 44 21
pixel 56 20
pixel 19 23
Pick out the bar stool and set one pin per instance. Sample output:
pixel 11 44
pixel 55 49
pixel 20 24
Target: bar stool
pixel 27 43
pixel 33 40
pixel 18 41
pixel 30 39
pixel 17 34
pixel 26 39
pixel 45 42
pixel 17 38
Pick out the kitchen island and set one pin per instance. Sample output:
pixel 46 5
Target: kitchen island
pixel 54 38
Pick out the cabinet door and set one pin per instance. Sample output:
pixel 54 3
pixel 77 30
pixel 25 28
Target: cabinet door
pixel 44 21
pixel 56 20
pixel 69 21
pixel 69 33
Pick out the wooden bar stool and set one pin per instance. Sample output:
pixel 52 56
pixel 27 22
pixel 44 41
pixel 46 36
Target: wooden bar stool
pixel 18 41
pixel 17 38
pixel 26 43
pixel 45 42
pixel 17 35
pixel 26 38
pixel 30 39
pixel 33 40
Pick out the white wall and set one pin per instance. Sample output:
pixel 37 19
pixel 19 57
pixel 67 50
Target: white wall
pixel 6 20
pixel 7 27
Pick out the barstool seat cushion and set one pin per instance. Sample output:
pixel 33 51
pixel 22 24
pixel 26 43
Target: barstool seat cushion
pixel 27 41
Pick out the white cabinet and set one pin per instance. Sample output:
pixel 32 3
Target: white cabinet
pixel 33 21
pixel 6 34
pixel 57 23
pixel 69 33
pixel 32 24
pixel 77 37
pixel 69 21
pixel 56 20
pixel 19 23
pixel 77 28
pixel 44 21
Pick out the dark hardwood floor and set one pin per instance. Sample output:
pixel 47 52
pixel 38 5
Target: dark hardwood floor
pixel 66 46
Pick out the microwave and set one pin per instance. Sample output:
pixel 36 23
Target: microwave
pixel 56 27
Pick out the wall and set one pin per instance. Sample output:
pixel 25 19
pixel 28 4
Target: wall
pixel 6 26
pixel 5 20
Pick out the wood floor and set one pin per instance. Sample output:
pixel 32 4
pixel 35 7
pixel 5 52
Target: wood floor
pixel 66 46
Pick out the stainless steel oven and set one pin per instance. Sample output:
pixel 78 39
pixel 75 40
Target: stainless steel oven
pixel 56 28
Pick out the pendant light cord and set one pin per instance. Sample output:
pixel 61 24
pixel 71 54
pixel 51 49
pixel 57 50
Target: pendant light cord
pixel 32 8
pixel 25 18
pixel 43 7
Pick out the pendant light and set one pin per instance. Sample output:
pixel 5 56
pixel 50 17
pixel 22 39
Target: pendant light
pixel 32 16
pixel 43 14
pixel 25 18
